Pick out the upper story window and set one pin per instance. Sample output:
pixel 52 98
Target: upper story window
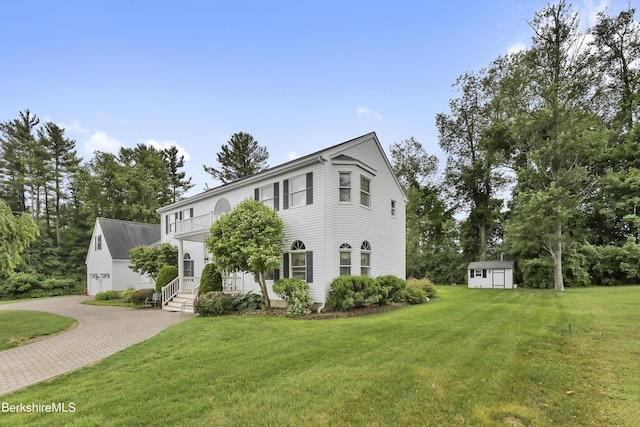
pixel 298 187
pixel 345 186
pixel 365 191
pixel 393 208
pixel 266 195
pixel 269 195
pixel 98 243
pixel 185 214
pixel 170 225
pixel 298 191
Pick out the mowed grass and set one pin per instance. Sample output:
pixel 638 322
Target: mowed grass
pixel 19 327
pixel 468 357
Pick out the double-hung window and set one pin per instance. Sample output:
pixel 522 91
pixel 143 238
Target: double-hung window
pixel 298 260
pixel 365 258
pixel 345 259
pixel 365 191
pixel 267 196
pixel 345 186
pixel 298 190
pixel 98 246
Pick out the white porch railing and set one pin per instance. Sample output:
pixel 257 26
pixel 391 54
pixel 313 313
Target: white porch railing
pixel 197 223
pixel 170 290
pixel 230 282
pixel 190 284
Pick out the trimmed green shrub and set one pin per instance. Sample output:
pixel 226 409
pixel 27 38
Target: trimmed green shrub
pixel 141 295
pixel 296 292
pixel 248 302
pixel 166 274
pixel 213 304
pixel 349 292
pixel 211 280
pixel 126 295
pixel 390 288
pixel 107 295
pixel 414 294
pixel 425 284
pixel 19 285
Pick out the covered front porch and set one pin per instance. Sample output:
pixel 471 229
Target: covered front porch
pixel 191 235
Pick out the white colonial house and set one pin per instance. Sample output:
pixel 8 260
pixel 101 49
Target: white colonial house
pixel 343 210
pixel 108 256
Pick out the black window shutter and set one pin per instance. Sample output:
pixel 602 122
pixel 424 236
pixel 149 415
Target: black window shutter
pixel 484 273
pixel 310 188
pixel 180 215
pixel 190 212
pixel 309 266
pixel 166 224
pixel 276 195
pixel 256 194
pixel 276 274
pixel 285 265
pixel 285 194
pixel 176 216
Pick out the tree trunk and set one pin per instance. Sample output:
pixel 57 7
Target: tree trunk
pixel 558 281
pixel 263 288
pixel 483 240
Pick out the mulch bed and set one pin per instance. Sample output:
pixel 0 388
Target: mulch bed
pixel 326 314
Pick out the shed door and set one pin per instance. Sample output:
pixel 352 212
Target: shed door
pixel 498 278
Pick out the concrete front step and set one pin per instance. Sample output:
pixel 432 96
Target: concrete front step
pixel 182 302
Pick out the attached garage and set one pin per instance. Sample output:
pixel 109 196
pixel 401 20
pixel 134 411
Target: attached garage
pixel 491 274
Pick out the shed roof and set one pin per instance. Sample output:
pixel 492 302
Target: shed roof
pixel 490 264
pixel 122 236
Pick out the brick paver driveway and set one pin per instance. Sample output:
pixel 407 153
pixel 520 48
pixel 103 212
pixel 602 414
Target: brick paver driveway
pixel 101 332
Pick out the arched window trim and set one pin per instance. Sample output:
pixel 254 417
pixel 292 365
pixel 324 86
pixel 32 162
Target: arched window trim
pixel 298 245
pixel 345 259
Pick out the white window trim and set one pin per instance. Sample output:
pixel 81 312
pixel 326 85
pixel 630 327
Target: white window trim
pixel 362 192
pixel 303 191
pixel 365 248
pixel 345 248
pixel 298 247
pixel 269 201
pixel 340 187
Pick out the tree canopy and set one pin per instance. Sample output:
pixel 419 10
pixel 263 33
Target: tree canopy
pixel 250 239
pixel 240 157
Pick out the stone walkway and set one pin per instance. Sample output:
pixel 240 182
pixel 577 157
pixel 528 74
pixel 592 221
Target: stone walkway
pixel 101 332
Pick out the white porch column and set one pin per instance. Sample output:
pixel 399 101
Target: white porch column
pixel 180 264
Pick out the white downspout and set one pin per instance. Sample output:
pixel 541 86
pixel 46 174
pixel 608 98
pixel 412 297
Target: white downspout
pixel 324 252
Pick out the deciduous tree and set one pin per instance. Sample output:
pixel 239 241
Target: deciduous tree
pixel 248 239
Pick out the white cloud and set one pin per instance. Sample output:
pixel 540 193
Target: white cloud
pixel 168 144
pixel 589 12
pixel 292 155
pixel 74 126
pixel 99 141
pixel 516 47
pixel 365 111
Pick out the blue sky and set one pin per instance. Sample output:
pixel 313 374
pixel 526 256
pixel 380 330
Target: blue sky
pixel 298 75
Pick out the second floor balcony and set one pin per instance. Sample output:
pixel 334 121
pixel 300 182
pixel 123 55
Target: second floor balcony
pixel 196 228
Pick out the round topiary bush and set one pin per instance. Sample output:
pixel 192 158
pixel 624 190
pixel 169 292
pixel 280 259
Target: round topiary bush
pixel 166 274
pixel 211 280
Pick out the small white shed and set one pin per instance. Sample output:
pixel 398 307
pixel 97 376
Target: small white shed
pixel 491 274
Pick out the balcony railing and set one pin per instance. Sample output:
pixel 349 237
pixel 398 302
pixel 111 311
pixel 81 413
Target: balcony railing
pixel 197 223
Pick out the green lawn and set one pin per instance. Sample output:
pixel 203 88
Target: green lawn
pixel 468 357
pixel 19 327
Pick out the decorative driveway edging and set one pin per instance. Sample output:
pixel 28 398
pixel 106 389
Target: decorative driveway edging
pixel 101 332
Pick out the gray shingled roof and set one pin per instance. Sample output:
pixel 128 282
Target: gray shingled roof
pixel 490 264
pixel 121 236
